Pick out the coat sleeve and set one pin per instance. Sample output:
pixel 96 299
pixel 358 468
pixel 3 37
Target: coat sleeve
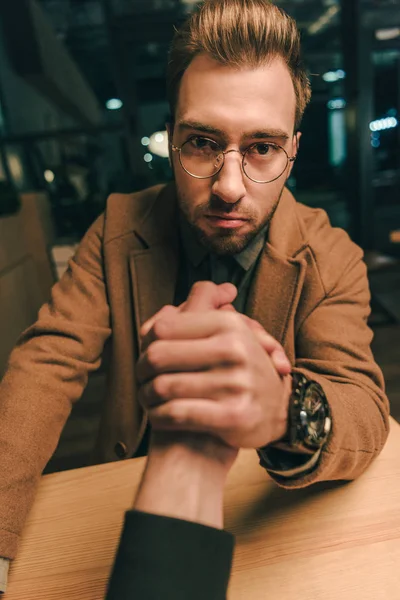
pixel 161 557
pixel 333 348
pixel 47 372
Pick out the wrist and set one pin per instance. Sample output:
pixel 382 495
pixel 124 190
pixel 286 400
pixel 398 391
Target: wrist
pixel 184 477
pixel 200 449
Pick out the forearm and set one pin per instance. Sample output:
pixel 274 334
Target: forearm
pixel 184 478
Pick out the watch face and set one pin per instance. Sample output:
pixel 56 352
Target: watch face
pixel 316 413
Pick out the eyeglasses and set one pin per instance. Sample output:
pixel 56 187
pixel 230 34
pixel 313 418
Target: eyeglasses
pixel 262 162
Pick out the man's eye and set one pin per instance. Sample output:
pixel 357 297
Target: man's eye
pixel 200 143
pixel 262 149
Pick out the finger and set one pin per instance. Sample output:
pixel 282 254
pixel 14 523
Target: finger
pixel 174 386
pixel 270 345
pixel 228 308
pixel 168 356
pixel 193 325
pixel 274 349
pixel 195 415
pixel 255 326
pixel 277 355
pixel 281 362
pixel 166 311
pixel 206 295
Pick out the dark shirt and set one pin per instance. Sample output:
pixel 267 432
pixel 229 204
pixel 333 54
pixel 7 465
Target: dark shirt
pixel 199 264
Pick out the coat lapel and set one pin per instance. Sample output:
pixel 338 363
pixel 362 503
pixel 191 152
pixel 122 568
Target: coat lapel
pixel 154 273
pixel 280 272
pixel 275 291
pixel 154 267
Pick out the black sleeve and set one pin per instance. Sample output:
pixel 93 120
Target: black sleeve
pixel 170 559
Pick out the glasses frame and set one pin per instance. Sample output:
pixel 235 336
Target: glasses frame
pixel 290 159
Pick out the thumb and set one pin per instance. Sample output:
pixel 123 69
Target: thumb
pixel 206 295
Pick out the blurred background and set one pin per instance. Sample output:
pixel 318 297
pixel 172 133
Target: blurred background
pixel 82 114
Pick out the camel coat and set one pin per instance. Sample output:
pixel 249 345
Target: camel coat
pixel 310 291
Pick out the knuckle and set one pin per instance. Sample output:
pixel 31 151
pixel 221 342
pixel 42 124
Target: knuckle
pixel 168 307
pixel 168 310
pixel 236 414
pixel 243 381
pixel 223 348
pixel 244 416
pixel 178 415
pixel 238 350
pixel 235 382
pixel 161 387
pixel 232 321
pixel 154 356
pixel 203 286
pixel 177 387
pixel 175 415
pixel 160 328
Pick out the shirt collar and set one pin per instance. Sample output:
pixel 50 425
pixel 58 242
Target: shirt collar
pixel 196 252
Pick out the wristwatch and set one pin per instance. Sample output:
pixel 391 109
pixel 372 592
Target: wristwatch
pixel 309 416
pixel 309 426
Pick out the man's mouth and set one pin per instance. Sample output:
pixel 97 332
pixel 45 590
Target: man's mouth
pixel 226 221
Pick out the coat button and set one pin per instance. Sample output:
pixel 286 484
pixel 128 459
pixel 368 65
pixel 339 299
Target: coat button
pixel 120 450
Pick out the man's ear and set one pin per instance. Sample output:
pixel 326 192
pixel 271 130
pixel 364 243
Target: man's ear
pixel 295 150
pixel 296 143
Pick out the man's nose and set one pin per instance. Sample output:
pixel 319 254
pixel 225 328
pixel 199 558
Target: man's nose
pixel 229 182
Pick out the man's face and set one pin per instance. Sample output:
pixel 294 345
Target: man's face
pixel 235 108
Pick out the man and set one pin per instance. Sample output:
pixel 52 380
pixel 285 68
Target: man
pixel 237 91
pixel 172 544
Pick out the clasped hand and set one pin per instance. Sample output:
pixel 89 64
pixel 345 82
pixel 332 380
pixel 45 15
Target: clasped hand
pixel 206 368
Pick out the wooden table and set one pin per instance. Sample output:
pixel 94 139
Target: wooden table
pixel 323 543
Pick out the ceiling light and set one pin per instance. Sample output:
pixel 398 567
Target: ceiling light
pixel 336 104
pixel 387 34
pixel 114 104
pixel 49 176
pixel 324 19
pixel 15 166
pixel 145 141
pixel 384 124
pixel 159 144
pixel 329 77
pixel 333 76
pixel 148 157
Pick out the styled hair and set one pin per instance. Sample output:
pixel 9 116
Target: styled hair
pixel 239 33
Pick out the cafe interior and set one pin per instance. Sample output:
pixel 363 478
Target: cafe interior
pixel 83 114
